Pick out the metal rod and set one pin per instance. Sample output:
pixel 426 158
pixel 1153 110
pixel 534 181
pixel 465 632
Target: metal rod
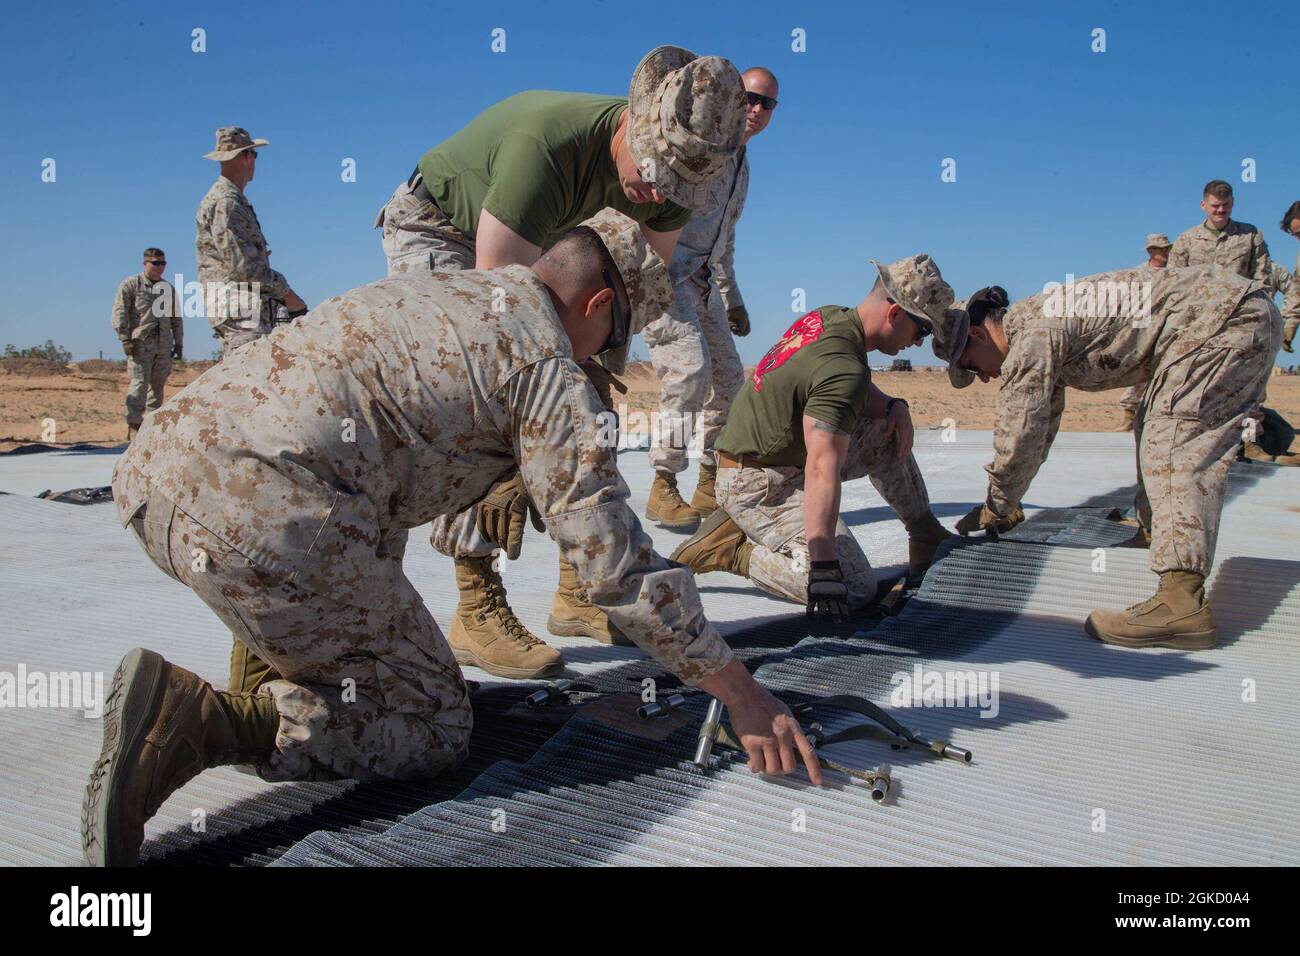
pixel 708 733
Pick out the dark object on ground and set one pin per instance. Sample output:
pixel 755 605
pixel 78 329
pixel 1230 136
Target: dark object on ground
pixel 80 496
pixel 901 365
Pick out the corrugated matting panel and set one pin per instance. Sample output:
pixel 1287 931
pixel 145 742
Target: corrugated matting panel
pixel 1089 755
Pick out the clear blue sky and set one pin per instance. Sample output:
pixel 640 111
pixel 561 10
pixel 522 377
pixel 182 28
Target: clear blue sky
pixel 1066 158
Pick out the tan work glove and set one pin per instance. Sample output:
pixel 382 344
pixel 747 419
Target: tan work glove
pixel 1286 346
pixel 982 518
pixel 501 515
pixel 129 348
pixel 738 319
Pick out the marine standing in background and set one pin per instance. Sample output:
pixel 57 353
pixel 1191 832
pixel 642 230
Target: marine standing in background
pixel 1291 299
pixel 233 261
pixel 147 320
pixel 691 346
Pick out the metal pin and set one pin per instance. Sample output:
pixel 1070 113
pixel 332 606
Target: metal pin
pixel 660 708
pixel 548 694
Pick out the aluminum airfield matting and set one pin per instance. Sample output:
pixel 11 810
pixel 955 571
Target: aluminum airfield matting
pixel 1095 755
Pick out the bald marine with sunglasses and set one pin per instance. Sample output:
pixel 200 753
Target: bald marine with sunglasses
pixel 811 419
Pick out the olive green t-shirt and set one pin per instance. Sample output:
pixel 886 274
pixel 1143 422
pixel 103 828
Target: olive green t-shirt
pixel 538 161
pixel 818 369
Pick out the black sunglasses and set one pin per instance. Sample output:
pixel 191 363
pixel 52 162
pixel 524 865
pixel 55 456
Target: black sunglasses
pixel 156 262
pixel 758 99
pixel 925 327
pixel 618 324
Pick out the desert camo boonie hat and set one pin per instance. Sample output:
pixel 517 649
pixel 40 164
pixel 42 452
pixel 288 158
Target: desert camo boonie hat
pixel 686 118
pixel 231 141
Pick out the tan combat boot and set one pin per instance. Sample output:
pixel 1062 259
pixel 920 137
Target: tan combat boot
pixel 1177 616
pixel 573 614
pixel 1253 452
pixel 923 540
pixel 703 501
pixel 666 507
pixel 486 633
pixel 718 545
pixel 162 727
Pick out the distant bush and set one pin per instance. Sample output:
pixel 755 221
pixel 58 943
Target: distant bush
pixel 101 366
pixel 48 351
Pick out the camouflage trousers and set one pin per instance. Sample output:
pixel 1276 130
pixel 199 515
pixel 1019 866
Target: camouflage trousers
pixel 362 694
pixel 700 372
pixel 417 235
pixel 1132 397
pixel 768 505
pixel 234 338
pixel 1189 427
pixel 148 370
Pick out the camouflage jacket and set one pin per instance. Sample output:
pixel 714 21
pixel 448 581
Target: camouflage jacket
pixel 1239 248
pixel 231 253
pixel 1177 311
pixel 707 246
pixel 1291 302
pixel 400 401
pixel 147 312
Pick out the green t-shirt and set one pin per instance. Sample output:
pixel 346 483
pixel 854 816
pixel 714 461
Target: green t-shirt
pixel 818 369
pixel 538 161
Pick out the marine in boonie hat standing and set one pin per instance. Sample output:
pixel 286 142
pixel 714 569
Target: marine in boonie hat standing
pixel 234 267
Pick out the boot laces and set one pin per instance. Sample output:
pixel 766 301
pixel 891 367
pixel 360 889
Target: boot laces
pixel 505 615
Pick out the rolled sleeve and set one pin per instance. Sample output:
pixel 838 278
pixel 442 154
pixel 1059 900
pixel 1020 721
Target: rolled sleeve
pixel 567 454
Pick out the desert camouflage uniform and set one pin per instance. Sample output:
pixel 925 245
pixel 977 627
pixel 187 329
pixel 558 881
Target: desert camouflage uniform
pixel 1239 248
pixel 768 503
pixel 1291 304
pixel 237 278
pixel 1206 351
pixel 147 313
pixel 281 488
pixel 1132 396
pixel 691 345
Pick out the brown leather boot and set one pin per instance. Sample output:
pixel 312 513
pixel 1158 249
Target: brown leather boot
pixel 666 507
pixel 486 633
pixel 923 540
pixel 703 502
pixel 718 545
pixel 573 614
pixel 162 727
pixel 1176 616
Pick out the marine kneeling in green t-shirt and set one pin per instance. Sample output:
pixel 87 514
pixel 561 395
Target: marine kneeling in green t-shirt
pixel 811 419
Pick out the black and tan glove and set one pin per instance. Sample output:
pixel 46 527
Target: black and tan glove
pixel 501 515
pixel 738 319
pixel 828 596
pixel 129 348
pixel 983 518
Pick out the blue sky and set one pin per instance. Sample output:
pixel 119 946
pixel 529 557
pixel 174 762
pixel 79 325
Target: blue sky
pixel 1066 158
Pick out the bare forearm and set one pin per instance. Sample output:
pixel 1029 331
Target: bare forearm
pixel 821 506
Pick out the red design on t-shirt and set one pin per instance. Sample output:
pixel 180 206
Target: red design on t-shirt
pixel 806 330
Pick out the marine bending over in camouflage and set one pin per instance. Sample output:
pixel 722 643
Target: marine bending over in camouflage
pixel 281 489
pixel 1204 340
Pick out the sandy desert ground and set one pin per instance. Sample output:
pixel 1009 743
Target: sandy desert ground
pixel 85 400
